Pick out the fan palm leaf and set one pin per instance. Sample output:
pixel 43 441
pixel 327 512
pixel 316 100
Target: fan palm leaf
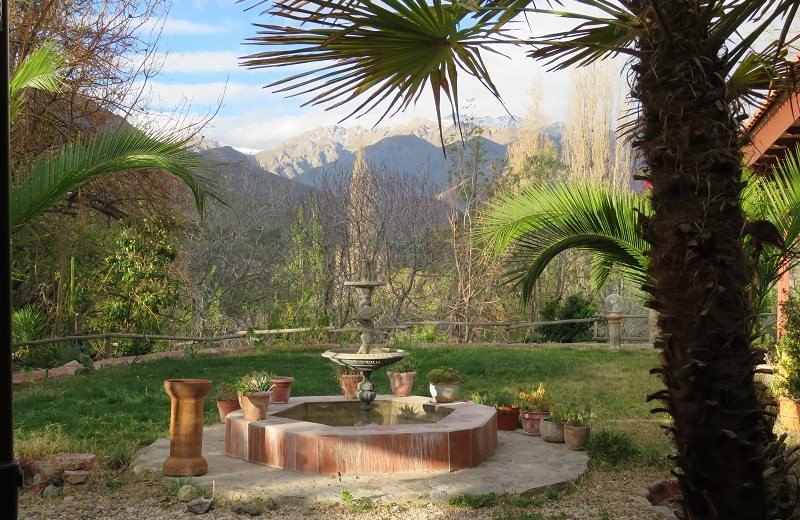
pixel 534 227
pixel 52 179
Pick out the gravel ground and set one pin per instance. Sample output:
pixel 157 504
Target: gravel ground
pixel 599 496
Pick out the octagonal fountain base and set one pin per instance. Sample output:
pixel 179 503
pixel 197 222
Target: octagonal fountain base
pixel 409 434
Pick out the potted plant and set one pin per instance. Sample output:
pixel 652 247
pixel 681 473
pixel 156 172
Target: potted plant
pixel 348 378
pixel 281 389
pixel 506 407
pixel 535 406
pixel 401 378
pixel 445 384
pixel 227 399
pixel 254 390
pixel 552 428
pixel 576 427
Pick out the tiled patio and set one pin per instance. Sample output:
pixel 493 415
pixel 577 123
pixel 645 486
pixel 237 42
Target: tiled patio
pixel 520 465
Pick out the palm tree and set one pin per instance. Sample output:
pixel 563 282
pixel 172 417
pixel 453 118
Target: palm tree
pixel 533 227
pixel 53 178
pixel 692 69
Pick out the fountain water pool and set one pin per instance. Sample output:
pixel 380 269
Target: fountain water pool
pixel 451 437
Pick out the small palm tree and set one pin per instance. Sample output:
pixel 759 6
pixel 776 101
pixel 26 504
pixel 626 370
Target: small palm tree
pixel 693 68
pixel 52 178
pixel 533 227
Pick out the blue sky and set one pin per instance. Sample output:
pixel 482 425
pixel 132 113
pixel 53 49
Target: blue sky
pixel 204 38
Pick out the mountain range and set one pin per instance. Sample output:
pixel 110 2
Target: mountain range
pixel 412 148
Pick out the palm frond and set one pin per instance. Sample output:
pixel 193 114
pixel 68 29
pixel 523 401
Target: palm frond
pixel 369 54
pixel 52 179
pixel 41 69
pixel 544 221
pixel 776 198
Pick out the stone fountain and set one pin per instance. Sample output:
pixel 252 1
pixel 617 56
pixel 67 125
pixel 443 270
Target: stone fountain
pixel 367 358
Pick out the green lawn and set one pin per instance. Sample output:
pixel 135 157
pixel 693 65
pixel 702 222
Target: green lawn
pixel 114 411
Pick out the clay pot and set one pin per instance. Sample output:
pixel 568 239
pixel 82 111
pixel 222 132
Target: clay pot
pixel 508 418
pixel 575 437
pixel 530 421
pixel 254 405
pixel 402 383
pixel 281 389
pixel 226 406
pixel 551 431
pixel 445 393
pixel 187 400
pixel 349 384
pixel 789 413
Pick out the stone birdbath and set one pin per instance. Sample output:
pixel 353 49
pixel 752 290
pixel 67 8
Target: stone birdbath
pixel 367 358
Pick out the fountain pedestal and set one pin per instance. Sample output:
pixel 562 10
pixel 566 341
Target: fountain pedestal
pixel 366 359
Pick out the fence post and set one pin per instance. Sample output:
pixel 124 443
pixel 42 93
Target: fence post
pixel 107 353
pixel 614 330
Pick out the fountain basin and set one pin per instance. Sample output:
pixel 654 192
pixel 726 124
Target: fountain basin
pixel 456 436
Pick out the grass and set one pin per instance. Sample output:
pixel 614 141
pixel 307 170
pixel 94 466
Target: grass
pixel 115 411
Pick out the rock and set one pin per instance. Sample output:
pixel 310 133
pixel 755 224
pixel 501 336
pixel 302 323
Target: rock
pixel 187 493
pixel 246 508
pixel 199 506
pixel 45 473
pixel 662 490
pixel 140 470
pixel 74 461
pixel 75 481
pixel 51 491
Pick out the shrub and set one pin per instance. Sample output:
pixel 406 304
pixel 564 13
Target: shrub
pixel 255 382
pixel 404 365
pixel 577 415
pixel 573 307
pixel 612 448
pixel 444 376
pixel 225 392
pixel 788 352
pixel 534 400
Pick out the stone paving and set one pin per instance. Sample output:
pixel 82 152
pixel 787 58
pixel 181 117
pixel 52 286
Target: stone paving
pixel 521 465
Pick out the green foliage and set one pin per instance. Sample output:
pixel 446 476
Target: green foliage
pixel 225 392
pixel 475 501
pixel 575 414
pixel 42 69
pixel 534 400
pixel 574 306
pixel 427 334
pixel 788 352
pixel 258 381
pixel 612 449
pixel 495 399
pixel 27 323
pixel 404 365
pixel 444 376
pixel 139 290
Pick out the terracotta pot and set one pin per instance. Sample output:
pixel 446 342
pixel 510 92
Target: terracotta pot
pixel 187 400
pixel 445 392
pixel 575 437
pixel 508 418
pixel 551 431
pixel 349 384
pixel 281 389
pixel 402 383
pixel 530 421
pixel 789 413
pixel 254 405
pixel 226 406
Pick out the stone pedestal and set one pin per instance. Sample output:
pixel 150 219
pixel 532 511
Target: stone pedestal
pixel 187 398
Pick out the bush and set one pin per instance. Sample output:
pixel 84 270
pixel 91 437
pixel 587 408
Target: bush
pixel 573 307
pixel 788 352
pixel 444 376
pixel 612 448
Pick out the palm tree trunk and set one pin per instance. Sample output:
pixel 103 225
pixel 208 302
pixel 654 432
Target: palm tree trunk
pixel 689 135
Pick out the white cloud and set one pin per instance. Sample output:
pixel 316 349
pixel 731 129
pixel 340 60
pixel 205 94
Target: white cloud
pixel 200 62
pixel 180 27
pixel 166 96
